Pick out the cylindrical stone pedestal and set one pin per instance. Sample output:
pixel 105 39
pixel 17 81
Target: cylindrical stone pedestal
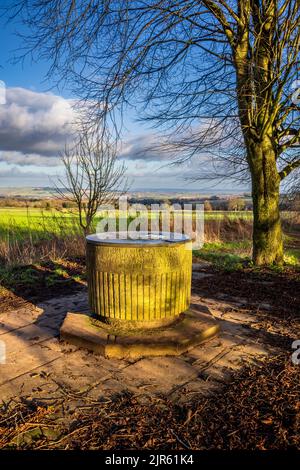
pixel 142 283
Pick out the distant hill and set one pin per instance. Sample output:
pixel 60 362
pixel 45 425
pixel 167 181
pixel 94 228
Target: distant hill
pixel 48 192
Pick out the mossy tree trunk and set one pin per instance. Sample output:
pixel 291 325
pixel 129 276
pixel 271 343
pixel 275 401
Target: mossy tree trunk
pixel 256 111
pixel 267 232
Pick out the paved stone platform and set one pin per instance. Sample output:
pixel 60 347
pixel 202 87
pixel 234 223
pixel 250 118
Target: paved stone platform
pixel 41 366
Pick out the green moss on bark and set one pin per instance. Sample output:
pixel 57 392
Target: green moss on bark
pixel 267 232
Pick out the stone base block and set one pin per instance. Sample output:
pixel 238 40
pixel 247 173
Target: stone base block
pixel 189 330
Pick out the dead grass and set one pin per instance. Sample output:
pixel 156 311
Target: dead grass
pixel 23 252
pixel 227 230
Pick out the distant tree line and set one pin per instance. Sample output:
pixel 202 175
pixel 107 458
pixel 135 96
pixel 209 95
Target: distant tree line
pixel 35 203
pixel 214 203
pixel 211 204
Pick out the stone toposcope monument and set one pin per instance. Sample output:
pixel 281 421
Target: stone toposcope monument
pixel 139 295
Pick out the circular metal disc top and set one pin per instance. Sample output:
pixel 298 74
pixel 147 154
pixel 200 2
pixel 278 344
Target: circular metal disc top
pixel 137 238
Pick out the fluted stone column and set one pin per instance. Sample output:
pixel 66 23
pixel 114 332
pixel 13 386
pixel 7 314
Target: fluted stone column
pixel 139 283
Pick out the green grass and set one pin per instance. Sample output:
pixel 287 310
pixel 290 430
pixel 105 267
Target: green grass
pixel 21 222
pixel 11 277
pixel 38 276
pixel 232 215
pixel 233 256
pixel 37 221
pixel 230 256
pixel 34 224
pixel 227 247
pixel 38 224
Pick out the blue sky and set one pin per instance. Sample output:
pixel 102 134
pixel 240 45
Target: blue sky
pixel 35 121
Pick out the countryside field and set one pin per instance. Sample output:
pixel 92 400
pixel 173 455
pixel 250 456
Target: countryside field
pixel 19 223
pixel 28 234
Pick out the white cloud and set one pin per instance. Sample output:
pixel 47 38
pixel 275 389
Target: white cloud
pixel 21 159
pixel 34 126
pixel 15 172
pixel 143 147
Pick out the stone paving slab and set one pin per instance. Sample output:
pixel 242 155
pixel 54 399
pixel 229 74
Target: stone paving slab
pixel 164 373
pixel 42 367
pixel 18 318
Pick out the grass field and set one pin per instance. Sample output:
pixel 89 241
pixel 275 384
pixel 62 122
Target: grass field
pixel 22 221
pixel 26 235
pixel 19 222
pixel 34 216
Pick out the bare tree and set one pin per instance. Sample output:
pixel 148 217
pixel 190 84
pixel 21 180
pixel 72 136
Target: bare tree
pixel 92 177
pixel 216 76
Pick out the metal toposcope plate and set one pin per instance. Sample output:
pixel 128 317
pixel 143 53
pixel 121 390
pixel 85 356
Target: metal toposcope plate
pixel 137 238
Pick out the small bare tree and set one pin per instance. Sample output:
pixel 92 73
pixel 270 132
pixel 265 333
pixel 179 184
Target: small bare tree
pixel 93 176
